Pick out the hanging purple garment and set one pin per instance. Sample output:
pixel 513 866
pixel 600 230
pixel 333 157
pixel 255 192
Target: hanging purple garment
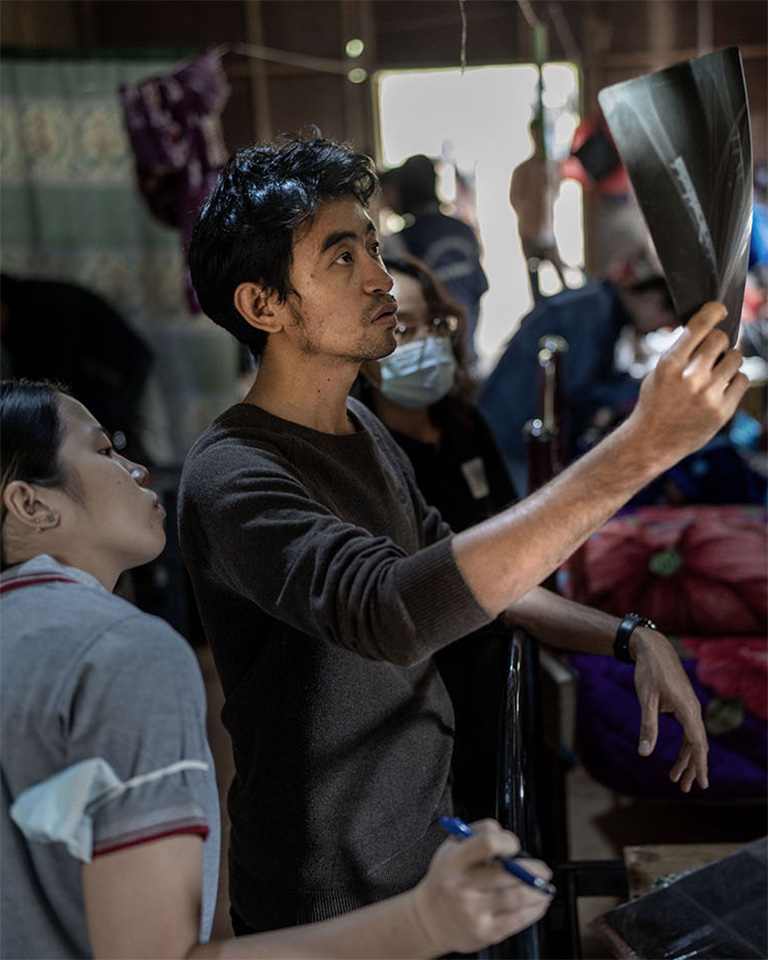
pixel 173 125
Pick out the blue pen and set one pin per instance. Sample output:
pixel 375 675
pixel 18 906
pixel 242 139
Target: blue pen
pixel 457 828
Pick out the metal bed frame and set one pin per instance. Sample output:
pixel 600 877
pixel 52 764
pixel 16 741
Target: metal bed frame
pixel 531 802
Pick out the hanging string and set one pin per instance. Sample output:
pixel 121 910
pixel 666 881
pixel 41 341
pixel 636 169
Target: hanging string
pixel 564 33
pixel 463 56
pixel 530 17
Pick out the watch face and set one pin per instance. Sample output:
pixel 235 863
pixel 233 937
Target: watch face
pixel 684 136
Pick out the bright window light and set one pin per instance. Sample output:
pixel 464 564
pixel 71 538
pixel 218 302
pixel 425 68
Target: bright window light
pixel 476 124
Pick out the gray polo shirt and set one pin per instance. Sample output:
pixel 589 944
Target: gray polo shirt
pixel 87 675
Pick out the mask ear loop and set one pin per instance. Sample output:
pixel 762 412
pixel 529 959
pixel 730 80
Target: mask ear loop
pixel 145 778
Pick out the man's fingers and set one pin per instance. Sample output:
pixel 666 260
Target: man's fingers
pixel 736 389
pixel 691 765
pixel 697 328
pixel 490 877
pixel 649 727
pixel 715 345
pixel 688 777
pixel 687 781
pixel 728 366
pixel 681 763
pixel 700 771
pixel 695 333
pixel 699 747
pixel 716 374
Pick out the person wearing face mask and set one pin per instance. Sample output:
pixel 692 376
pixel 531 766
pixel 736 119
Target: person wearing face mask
pixel 423 393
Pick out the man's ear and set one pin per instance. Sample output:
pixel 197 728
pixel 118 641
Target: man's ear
pixel 257 307
pixel 24 503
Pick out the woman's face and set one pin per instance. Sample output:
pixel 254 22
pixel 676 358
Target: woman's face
pixel 113 521
pixel 414 321
pixel 412 309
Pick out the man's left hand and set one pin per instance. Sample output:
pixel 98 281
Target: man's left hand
pixel 663 687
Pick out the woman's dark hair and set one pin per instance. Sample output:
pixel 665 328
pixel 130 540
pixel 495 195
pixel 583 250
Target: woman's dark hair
pixel 245 230
pixel 441 304
pixel 30 436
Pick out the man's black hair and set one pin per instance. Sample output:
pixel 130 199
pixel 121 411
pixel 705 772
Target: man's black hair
pixel 245 230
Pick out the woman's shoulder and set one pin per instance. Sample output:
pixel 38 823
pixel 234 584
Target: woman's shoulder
pixel 71 650
pixel 44 599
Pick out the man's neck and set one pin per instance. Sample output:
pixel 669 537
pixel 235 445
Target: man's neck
pixel 310 390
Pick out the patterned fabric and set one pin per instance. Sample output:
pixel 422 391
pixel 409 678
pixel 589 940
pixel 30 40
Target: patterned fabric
pixel 72 211
pixel 71 207
pixel 697 570
pixel 173 124
pixel 736 668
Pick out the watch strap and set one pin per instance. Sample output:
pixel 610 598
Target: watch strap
pixel 624 632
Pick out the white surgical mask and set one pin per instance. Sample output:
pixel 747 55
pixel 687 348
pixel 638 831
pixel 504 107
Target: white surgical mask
pixel 61 808
pixel 419 373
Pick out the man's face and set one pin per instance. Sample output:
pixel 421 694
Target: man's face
pixel 342 307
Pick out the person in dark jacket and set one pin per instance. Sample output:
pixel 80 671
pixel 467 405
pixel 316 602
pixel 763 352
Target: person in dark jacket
pixel 591 320
pixel 62 332
pixel 447 245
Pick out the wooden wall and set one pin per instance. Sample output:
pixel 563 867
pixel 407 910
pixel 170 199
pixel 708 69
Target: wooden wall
pixel 614 40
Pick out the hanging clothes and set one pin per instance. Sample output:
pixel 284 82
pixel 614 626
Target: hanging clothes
pixel 174 129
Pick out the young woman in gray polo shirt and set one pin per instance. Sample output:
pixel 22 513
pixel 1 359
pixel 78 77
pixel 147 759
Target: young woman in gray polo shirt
pixel 109 805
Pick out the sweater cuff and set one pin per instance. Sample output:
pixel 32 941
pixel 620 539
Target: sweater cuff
pixel 437 599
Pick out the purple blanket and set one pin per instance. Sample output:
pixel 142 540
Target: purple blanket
pixel 608 724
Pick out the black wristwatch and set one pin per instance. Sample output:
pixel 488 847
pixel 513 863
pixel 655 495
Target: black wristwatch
pixel 627 625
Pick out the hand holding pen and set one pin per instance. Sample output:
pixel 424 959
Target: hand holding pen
pixel 466 902
pixel 457 828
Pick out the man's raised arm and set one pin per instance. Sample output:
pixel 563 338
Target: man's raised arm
pixel 692 393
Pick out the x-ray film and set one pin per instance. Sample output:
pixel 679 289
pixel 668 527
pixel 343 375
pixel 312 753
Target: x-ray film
pixel 683 134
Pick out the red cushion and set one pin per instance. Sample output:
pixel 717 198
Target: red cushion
pixel 693 570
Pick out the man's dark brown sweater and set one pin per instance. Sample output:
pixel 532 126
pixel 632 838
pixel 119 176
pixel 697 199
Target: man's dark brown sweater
pixel 324 584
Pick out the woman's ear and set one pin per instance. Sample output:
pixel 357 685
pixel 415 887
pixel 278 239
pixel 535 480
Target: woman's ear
pixel 25 505
pixel 257 307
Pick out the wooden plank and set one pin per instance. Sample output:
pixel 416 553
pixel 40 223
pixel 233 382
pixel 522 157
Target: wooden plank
pixel 645 864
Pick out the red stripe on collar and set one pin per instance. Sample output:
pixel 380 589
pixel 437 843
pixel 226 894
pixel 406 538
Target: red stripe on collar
pixel 33 579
